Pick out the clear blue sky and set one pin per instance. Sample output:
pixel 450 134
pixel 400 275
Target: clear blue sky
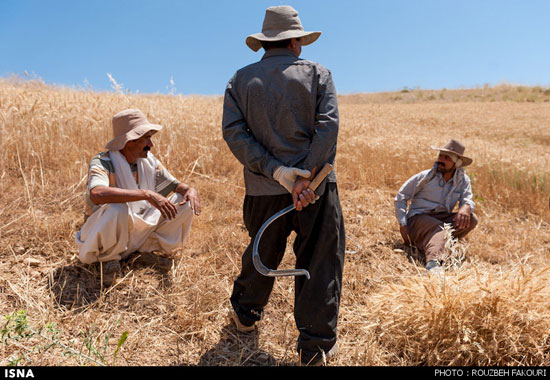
pixel 369 45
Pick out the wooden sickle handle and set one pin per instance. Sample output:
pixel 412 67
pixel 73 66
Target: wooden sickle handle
pixel 320 176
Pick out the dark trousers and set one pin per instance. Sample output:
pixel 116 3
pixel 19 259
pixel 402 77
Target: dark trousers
pixel 319 248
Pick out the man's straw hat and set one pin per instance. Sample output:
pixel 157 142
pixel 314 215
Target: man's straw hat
pixel 457 148
pixel 129 125
pixel 281 23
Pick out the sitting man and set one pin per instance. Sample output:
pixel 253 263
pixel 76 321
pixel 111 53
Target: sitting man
pixel 127 209
pixel 433 194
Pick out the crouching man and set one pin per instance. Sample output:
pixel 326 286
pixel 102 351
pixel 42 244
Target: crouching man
pixel 133 204
pixel 433 194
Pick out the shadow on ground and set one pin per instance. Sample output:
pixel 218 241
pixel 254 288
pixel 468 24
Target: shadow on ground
pixel 79 285
pixel 238 349
pixel 74 286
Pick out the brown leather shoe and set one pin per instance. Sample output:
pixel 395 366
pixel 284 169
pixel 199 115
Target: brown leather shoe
pixel 240 326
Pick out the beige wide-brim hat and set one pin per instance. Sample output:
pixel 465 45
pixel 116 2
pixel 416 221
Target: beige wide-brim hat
pixel 129 125
pixel 457 148
pixel 281 23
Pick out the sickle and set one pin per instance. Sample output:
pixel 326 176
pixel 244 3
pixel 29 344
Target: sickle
pixel 260 267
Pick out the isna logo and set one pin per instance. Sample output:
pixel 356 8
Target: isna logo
pixel 18 373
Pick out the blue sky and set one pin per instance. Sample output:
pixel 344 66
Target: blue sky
pixel 369 45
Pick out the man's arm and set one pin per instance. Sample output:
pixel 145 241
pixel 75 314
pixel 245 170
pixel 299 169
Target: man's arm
pixel 251 153
pixel 466 206
pixel 400 202
pixel 404 194
pixel 323 143
pixel 467 197
pixel 106 194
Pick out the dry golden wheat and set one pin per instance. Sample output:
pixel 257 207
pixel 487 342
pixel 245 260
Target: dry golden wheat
pixel 491 309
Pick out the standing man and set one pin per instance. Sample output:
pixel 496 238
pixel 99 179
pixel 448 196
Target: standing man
pixel 128 203
pixel 280 120
pixel 433 194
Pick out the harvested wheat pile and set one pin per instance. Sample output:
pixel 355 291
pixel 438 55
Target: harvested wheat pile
pixel 470 317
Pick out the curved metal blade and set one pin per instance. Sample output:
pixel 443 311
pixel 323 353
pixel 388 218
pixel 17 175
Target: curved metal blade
pixel 260 267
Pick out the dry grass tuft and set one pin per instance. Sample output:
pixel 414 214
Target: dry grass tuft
pixel 491 308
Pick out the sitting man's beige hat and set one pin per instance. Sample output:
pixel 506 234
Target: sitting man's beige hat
pixel 129 125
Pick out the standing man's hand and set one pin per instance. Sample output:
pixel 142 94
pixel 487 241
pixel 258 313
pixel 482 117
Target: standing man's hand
pixel 302 195
pixel 405 234
pixel 462 217
pixel 287 176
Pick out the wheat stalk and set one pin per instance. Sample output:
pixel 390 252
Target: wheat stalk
pixel 454 250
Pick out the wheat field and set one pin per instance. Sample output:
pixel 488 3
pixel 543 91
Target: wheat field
pixel 491 308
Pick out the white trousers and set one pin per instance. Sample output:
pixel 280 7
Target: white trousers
pixel 113 233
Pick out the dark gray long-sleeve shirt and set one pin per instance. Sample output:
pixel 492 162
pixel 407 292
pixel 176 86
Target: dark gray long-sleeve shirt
pixel 282 110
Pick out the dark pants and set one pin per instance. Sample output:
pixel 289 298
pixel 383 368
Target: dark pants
pixel 319 248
